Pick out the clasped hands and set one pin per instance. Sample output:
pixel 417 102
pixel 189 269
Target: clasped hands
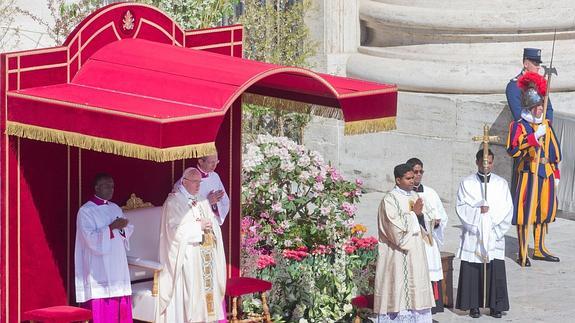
pixel 215 196
pixel 484 206
pixel 118 223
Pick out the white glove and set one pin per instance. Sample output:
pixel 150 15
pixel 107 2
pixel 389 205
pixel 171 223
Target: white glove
pixel 556 182
pixel 540 132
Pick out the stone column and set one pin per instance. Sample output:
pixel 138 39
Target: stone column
pixel 334 25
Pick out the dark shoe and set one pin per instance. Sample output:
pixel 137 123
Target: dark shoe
pixel 495 314
pixel 546 258
pixel 527 262
pixel 474 313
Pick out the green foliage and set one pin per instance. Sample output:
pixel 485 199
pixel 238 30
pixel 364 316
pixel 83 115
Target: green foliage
pixel 194 14
pixel 187 13
pixel 275 32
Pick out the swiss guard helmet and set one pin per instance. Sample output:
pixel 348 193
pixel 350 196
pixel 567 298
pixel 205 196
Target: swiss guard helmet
pixel 533 88
pixel 531 98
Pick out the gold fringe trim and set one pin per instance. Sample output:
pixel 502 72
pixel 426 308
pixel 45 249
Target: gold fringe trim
pixel 109 145
pixel 369 126
pixel 292 106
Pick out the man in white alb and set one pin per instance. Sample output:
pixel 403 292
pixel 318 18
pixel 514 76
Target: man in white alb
pixel 485 220
pixel 433 222
pixel 101 268
pixel 212 187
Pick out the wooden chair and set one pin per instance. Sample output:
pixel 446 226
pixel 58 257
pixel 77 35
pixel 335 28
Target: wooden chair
pixel 238 286
pixel 58 314
pixel 361 302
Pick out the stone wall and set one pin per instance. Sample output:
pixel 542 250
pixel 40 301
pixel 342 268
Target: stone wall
pixel 436 128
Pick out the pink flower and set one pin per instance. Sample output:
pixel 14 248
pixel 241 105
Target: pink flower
pixel 321 250
pixel 290 197
pixel 277 207
pixel 264 215
pixel 265 261
pixel 358 181
pixel 319 179
pixel 295 254
pixel 348 208
pixel 335 176
pixel 349 249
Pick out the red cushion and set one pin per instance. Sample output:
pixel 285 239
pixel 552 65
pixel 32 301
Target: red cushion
pixel 58 314
pixel 362 301
pixel 238 286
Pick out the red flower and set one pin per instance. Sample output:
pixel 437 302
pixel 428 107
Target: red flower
pixel 265 261
pixel 297 255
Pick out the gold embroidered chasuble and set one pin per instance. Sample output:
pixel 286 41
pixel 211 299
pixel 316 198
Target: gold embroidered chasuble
pixel 192 282
pixel 402 276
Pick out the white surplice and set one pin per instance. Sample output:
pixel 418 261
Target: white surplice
pixel 211 182
pixel 435 211
pixel 182 281
pixel 483 235
pixel 101 266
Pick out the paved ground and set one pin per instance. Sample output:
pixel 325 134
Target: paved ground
pixel 544 292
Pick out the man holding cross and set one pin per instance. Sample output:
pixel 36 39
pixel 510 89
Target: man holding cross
pixel 485 219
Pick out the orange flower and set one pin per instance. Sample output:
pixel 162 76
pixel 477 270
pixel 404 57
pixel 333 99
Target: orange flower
pixel 358 228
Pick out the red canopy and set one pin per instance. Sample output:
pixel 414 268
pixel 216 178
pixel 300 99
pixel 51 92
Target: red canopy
pixel 129 82
pixel 145 99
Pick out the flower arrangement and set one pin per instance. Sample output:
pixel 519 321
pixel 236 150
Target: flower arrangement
pixel 298 231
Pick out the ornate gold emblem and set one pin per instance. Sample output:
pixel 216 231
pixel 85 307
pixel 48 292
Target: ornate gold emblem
pixel 128 21
pixel 135 202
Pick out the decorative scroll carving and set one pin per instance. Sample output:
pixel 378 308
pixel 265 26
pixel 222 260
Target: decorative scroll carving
pixel 135 202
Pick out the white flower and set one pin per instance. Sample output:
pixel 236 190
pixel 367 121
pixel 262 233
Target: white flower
pixel 277 207
pixel 303 161
pixel 318 187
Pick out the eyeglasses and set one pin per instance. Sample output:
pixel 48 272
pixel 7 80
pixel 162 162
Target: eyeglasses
pixel 418 172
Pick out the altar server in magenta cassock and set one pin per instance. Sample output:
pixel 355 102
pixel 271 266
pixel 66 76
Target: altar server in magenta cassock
pixel 433 222
pixel 534 204
pixel 212 187
pixel 101 268
pixel 482 275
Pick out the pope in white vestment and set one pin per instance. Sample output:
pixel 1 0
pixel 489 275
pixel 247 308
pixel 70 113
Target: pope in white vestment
pixel 192 281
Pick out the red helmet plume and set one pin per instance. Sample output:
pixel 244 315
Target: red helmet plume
pixel 532 80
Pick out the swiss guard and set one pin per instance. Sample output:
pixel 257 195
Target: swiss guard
pixel 533 142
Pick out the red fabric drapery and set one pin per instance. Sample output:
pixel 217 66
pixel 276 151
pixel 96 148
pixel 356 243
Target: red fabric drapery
pixel 132 87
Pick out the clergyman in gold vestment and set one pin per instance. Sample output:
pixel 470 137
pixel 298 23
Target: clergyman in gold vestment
pixel 402 286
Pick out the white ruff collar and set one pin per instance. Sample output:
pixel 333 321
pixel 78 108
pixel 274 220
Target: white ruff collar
pixel 527 116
